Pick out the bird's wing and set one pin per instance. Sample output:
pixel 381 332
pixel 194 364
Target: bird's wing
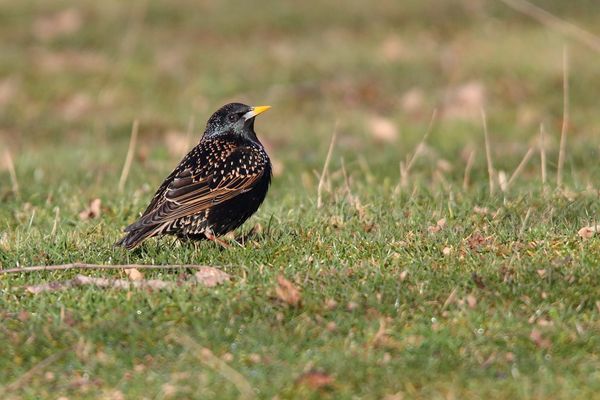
pixel 194 190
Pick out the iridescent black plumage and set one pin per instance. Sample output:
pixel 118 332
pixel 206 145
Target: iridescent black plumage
pixel 217 186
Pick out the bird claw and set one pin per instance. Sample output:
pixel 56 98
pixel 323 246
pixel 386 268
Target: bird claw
pixel 211 236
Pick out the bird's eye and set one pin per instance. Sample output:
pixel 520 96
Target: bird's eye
pixel 232 117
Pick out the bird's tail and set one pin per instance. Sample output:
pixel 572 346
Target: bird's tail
pixel 135 237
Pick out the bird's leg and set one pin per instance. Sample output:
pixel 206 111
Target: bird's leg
pixel 211 236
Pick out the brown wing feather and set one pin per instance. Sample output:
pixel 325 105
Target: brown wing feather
pixel 190 194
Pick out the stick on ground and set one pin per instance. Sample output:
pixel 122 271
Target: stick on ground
pixel 65 267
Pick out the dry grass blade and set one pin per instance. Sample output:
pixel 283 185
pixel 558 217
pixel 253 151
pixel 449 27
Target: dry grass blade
pixel 12 172
pixel 407 165
pixel 325 167
pixel 488 153
pixel 64 267
pixel 129 156
pixel 543 154
pixel 565 122
pixel 287 292
pixel 550 20
pixel 468 168
pixel 520 167
pixel 213 362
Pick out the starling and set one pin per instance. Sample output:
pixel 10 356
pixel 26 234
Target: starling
pixel 217 186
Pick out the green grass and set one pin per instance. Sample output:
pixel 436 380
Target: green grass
pixel 384 311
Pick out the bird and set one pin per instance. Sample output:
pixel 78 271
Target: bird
pixel 215 188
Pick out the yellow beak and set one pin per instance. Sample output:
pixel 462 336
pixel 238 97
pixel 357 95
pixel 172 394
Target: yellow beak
pixel 259 110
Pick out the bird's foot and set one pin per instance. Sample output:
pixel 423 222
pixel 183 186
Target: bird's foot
pixel 211 236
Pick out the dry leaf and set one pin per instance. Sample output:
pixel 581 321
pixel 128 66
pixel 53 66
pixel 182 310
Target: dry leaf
pixel 8 89
pixel 465 102
pixel 413 101
pixel 447 251
pixel 210 277
pixel 588 231
pixel 62 23
pixel 393 48
pixel 382 129
pixel 287 292
pixel 134 274
pixel 437 227
pixel 541 342
pixel 315 380
pixel 76 106
pixel 541 272
pixel 92 211
pixel 471 301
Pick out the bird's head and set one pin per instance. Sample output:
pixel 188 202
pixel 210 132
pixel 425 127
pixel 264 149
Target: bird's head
pixel 234 119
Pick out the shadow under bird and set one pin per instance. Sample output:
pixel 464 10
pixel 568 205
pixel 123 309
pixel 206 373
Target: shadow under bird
pixel 217 186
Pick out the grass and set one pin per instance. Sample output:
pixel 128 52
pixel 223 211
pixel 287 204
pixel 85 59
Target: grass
pixel 500 301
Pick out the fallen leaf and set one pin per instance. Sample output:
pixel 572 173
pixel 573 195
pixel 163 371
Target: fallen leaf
pixel 64 22
pixel 465 102
pixel 287 292
pixel 92 211
pixel 413 101
pixel 588 232
pixel 541 272
pixel 481 210
pixel 134 274
pixel 8 89
pixel 210 277
pixel 382 129
pixel 437 227
pixel 315 380
pixel 471 301
pixel 76 106
pixel 541 342
pixel 393 48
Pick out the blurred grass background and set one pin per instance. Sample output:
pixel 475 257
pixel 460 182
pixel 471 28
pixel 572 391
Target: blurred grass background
pixel 75 75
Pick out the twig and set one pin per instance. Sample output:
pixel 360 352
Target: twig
pixel 520 167
pixel 543 154
pixel 129 156
pixel 325 166
pixel 12 172
pixel 65 267
pixel 82 280
pixel 207 358
pixel 550 20
pixel 488 153
pixel 23 379
pixel 565 122
pixel 468 167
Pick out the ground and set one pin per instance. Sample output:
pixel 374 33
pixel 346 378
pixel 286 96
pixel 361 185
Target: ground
pixel 414 281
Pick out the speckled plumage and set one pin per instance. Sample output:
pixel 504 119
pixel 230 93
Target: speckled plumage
pixel 217 186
